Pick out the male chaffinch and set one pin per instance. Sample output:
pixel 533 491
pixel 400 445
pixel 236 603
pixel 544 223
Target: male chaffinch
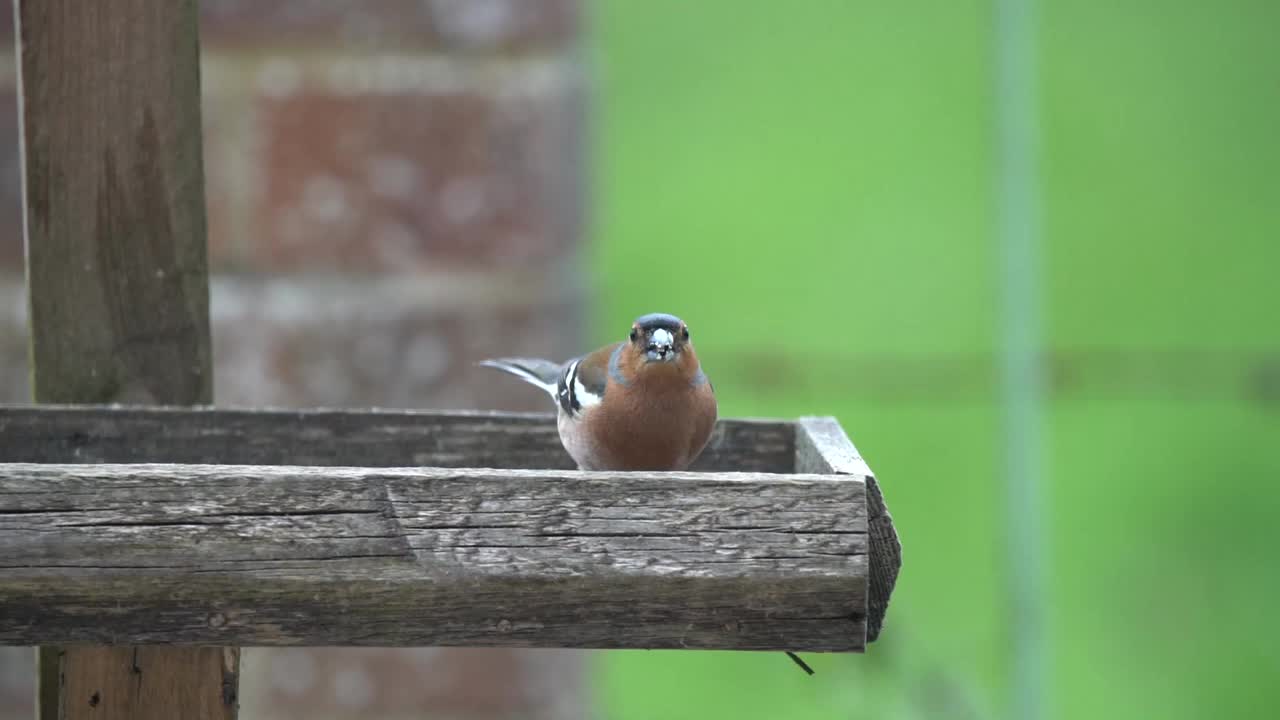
pixel 640 404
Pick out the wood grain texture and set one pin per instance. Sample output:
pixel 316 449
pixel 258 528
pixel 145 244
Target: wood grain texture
pixel 186 554
pixel 107 688
pixel 823 447
pixel 114 192
pixel 340 437
pixel 116 266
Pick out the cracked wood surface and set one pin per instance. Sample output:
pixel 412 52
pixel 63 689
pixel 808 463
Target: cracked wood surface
pixel 339 437
pixel 240 555
pixel 823 447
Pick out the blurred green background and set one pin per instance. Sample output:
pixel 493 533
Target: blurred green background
pixel 816 180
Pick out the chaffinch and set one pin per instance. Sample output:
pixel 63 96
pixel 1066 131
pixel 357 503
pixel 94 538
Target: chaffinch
pixel 640 404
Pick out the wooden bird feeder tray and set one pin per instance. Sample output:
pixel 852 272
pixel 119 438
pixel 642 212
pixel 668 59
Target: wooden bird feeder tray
pixel 249 528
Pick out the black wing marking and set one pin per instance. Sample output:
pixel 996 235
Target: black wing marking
pixel 566 392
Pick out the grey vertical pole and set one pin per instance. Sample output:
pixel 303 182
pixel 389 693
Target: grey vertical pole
pixel 1022 382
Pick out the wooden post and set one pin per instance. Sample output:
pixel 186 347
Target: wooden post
pixel 113 189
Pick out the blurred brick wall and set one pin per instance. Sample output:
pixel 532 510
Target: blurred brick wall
pixel 395 191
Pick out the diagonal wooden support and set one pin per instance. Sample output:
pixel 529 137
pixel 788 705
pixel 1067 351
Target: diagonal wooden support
pixel 114 216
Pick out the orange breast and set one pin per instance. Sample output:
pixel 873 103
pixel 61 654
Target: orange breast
pixel 662 423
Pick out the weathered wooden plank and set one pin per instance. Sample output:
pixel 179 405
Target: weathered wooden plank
pixel 116 268
pixel 339 437
pixel 823 447
pixel 262 555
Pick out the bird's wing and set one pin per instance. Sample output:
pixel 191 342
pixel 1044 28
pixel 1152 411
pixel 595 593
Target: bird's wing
pixel 584 380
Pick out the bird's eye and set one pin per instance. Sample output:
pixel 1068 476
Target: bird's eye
pixel 685 332
pixel 634 334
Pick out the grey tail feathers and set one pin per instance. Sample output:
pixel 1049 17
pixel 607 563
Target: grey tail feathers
pixel 542 373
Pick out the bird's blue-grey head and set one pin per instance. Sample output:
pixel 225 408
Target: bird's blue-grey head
pixel 659 337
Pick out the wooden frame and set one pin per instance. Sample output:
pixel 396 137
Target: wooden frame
pixel 744 554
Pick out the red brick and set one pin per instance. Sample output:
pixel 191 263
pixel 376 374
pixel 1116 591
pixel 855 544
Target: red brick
pixel 384 342
pixel 415 179
pixel 17 683
pixel 438 682
pixel 359 343
pixel 447 25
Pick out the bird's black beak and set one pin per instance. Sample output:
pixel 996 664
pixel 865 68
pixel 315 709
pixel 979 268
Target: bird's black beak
pixel 660 345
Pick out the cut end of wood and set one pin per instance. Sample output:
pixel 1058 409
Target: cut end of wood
pixel 823 447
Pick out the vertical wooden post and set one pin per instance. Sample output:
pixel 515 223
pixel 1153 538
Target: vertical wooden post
pixel 113 188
